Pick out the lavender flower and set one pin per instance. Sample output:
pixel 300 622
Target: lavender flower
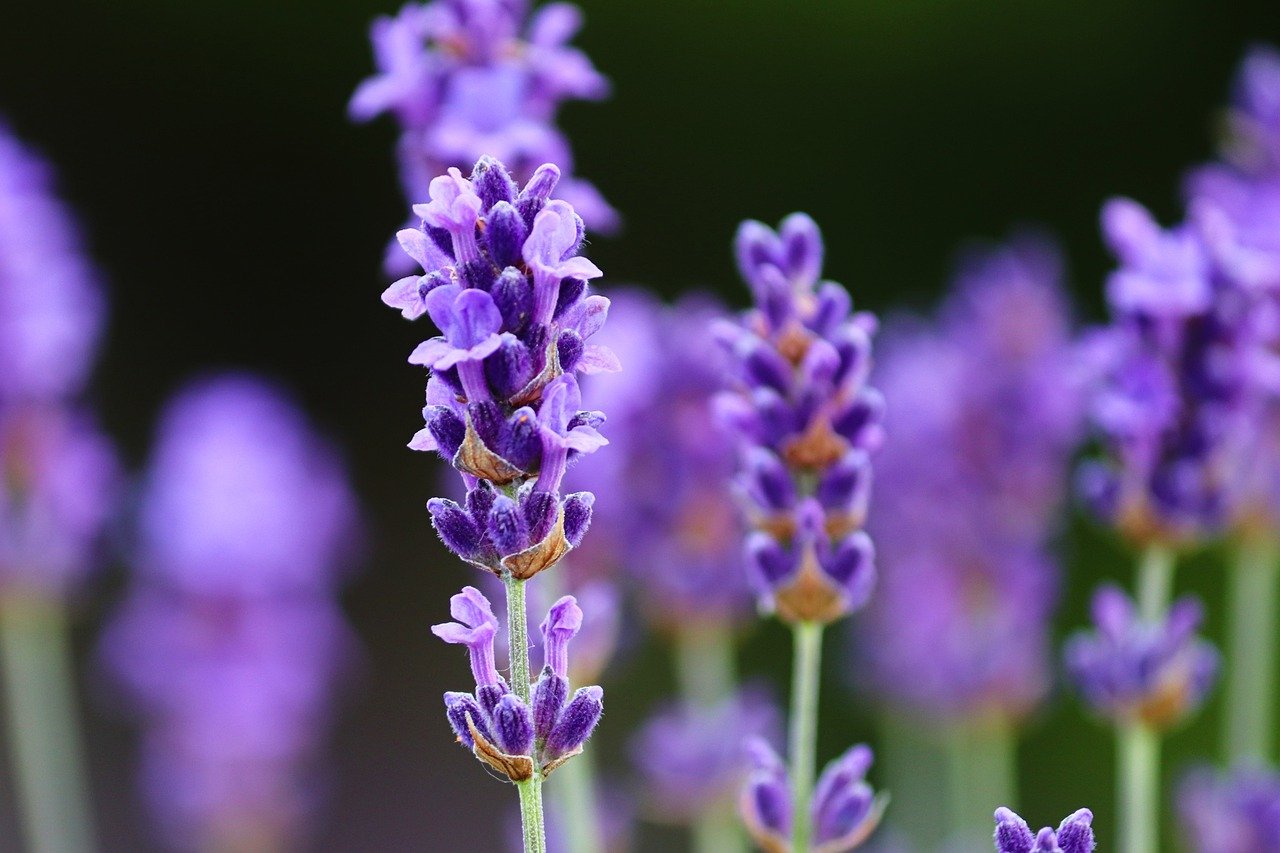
pixel 1074 835
pixel 1234 812
pixel 669 525
pixel 984 418
pixel 1130 670
pixel 466 78
pixel 503 282
pixel 690 756
pixel 807 420
pixel 230 642
pixel 497 725
pixel 845 808
pixel 52 308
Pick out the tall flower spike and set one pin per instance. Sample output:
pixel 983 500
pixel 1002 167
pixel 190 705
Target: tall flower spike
pixel 494 723
pixel 803 413
pixel 1074 834
pixel 845 808
pixel 1130 670
pixel 465 78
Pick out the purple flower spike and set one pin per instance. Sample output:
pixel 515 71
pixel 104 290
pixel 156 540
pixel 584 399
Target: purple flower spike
pixel 1074 834
pixel 1129 669
pixel 468 78
pixel 1233 812
pixel 562 624
pixel 806 421
pixel 475 629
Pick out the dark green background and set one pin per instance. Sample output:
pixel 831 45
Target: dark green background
pixel 241 220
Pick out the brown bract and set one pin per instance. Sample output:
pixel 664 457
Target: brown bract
pixel 550 766
pixel 517 768
pixel 810 596
pixel 541 556
pixel 476 459
pixel 533 391
pixel 818 447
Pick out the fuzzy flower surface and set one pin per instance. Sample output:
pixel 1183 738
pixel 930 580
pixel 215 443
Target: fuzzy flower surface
pixel 1128 669
pixel 1232 812
pixel 467 78
pixel 503 282
pixel 971 482
pixel 230 642
pixel 1074 834
pixel 845 808
pixel 806 420
pixel 670 528
pixel 500 729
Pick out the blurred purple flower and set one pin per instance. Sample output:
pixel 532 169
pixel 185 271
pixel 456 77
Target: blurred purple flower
pixel 1131 670
pixel 690 757
pixel 984 417
pixel 466 78
pixel 52 307
pixel 800 408
pixel 1074 834
pixel 230 641
pixel 845 808
pixel 1233 812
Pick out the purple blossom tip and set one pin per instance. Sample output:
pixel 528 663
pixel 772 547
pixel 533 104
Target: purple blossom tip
pixel 1074 834
pixel 562 624
pixel 475 628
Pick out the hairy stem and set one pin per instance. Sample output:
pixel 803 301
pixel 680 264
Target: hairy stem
pixel 805 677
pixel 42 728
pixel 1251 651
pixel 531 819
pixel 706 671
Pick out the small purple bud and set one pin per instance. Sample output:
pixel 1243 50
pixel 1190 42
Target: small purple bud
pixel 569 347
pixel 768 482
pixel 513 294
pixel 1075 834
pixel 489 694
pixel 536 192
pixel 801 248
pixel 767 561
pixel 577 516
pixel 505 234
pixel 540 510
pixel 845 484
pixel 562 624
pixel 457 707
pixel 833 306
pixel 1012 833
pixel 571 292
pixel 577 722
pixel 455 527
pixel 549 696
pixel 510 368
pixel 486 417
pixel 513 725
pixel 523 447
pixel 506 527
pixel 447 429
pixel 765 367
pixel 493 183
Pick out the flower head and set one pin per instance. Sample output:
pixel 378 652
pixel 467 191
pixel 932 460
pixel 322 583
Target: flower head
pixel 1233 812
pixel 466 78
pixel 845 808
pixel 1132 669
pixel 1074 834
pixel 806 419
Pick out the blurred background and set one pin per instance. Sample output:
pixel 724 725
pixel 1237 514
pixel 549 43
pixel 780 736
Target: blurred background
pixel 241 220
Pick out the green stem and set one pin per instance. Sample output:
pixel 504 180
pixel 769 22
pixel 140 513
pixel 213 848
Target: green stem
pixel 1137 746
pixel 706 671
pixel 805 674
pixel 1138 774
pixel 43 732
pixel 531 819
pixel 574 793
pixel 913 765
pixel 1251 662
pixel 981 775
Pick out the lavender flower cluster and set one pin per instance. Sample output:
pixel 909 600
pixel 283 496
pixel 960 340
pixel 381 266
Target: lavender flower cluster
pixel 808 422
pixel 473 78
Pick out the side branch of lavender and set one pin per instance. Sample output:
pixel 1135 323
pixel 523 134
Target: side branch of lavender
pixel 807 422
pixel 503 281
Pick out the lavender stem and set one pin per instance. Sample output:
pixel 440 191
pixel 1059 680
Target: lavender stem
pixel 1137 746
pixel 43 732
pixel 531 819
pixel 1251 661
pixel 805 678
pixel 981 770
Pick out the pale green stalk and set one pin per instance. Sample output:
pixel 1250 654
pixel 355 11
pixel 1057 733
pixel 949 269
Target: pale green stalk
pixel 981 775
pixel 43 733
pixel 1137 746
pixel 531 819
pixel 913 765
pixel 805 678
pixel 706 671
pixel 1249 726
